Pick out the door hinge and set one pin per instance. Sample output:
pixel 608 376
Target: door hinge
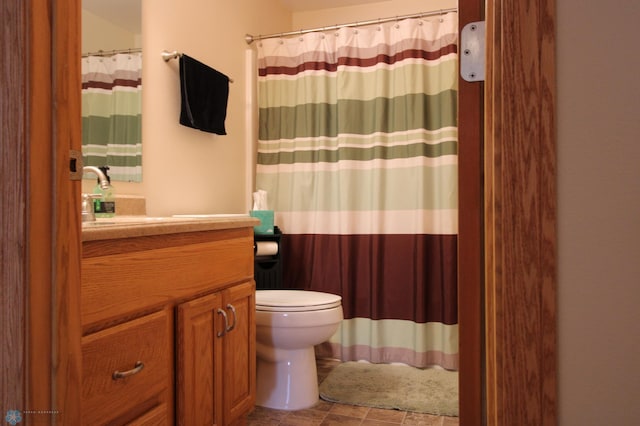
pixel 472 51
pixel 75 165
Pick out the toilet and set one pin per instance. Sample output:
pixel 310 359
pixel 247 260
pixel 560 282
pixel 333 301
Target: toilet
pixel 289 323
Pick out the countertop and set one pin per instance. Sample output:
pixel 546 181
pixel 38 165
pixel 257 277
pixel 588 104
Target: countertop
pixel 137 226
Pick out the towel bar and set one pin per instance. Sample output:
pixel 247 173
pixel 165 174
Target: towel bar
pixel 167 56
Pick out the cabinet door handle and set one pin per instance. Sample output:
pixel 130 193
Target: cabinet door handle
pixel 226 323
pixel 122 374
pixel 233 311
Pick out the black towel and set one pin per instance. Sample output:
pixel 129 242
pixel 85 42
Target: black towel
pixel 204 93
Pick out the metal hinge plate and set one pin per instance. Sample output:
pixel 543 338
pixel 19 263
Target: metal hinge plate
pixel 472 51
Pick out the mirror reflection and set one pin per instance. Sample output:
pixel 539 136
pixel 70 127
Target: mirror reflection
pixel 112 87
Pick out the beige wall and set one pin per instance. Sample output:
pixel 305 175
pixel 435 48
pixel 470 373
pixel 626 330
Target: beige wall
pixel 383 9
pixel 598 212
pixel 186 170
pixel 100 34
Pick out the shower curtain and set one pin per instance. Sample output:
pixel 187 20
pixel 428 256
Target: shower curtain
pixel 111 114
pixel 357 151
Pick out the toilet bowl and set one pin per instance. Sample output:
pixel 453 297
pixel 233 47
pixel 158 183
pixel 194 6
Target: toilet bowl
pixel 289 323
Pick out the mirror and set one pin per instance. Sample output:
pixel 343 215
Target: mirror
pixel 112 87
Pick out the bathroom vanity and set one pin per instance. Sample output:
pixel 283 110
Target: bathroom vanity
pixel 168 321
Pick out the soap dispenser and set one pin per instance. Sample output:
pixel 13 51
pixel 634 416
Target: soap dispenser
pixel 104 205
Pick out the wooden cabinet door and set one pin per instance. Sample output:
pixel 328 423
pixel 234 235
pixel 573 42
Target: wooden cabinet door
pixel 216 361
pixel 239 352
pixel 199 359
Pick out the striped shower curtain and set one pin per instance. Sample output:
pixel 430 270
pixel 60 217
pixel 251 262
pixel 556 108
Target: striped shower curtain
pixel 357 151
pixel 111 114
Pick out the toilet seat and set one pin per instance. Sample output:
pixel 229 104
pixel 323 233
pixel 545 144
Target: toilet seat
pixel 295 300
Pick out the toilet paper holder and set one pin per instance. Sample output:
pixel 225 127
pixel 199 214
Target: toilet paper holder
pixel 265 248
pixel 268 260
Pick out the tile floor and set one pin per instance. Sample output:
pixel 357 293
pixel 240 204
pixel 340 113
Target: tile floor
pixel 327 413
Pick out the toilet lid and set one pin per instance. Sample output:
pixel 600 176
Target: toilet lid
pixel 295 300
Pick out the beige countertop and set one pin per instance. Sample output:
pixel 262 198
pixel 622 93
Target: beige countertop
pixel 138 226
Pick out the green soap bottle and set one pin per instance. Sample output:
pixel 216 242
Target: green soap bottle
pixel 105 204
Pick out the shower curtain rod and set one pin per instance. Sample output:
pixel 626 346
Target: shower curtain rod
pixel 250 38
pixel 112 52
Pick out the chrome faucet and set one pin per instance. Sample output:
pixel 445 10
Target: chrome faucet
pixel 104 182
pixel 88 214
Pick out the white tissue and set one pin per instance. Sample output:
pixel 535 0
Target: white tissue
pixel 260 200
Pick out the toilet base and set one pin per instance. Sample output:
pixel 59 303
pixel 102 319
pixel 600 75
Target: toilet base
pixel 288 385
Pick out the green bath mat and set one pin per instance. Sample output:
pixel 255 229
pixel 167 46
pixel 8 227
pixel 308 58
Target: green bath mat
pixel 391 386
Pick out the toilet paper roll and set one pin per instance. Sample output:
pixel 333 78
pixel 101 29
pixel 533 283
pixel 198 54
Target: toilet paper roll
pixel 266 248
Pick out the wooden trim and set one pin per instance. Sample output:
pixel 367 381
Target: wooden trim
pixel 520 211
pixel 490 252
pixel 67 230
pixel 66 227
pixel 39 169
pixel 13 196
pixel 470 235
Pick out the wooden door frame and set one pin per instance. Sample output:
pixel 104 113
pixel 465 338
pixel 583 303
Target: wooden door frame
pixel 66 136
pixel 41 229
pixel 13 199
pixel 470 235
pixel 40 243
pixel 507 236
pixel 520 214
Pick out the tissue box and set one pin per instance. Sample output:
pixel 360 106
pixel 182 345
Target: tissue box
pixel 266 221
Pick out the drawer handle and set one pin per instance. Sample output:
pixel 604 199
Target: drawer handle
pixel 226 323
pixel 233 311
pixel 122 374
